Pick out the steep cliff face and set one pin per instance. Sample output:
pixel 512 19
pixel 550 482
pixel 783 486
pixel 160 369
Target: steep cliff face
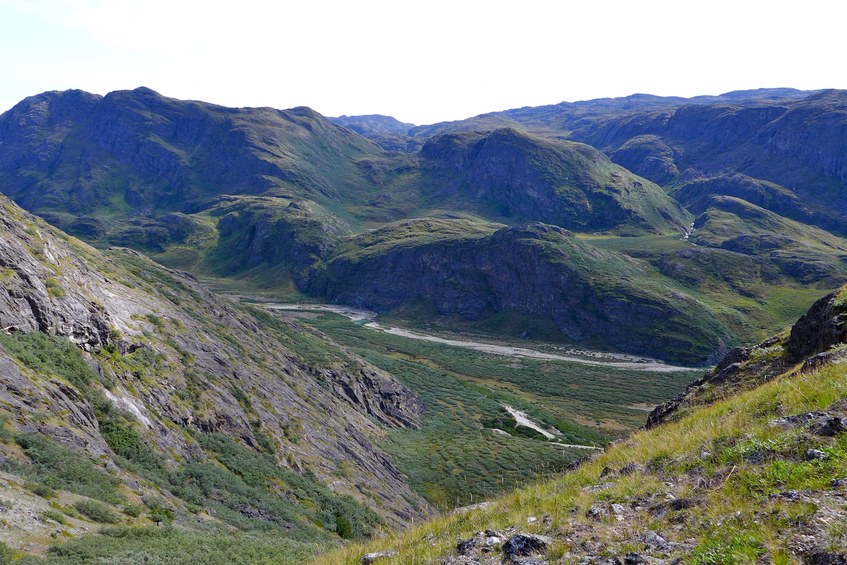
pixel 539 270
pixel 178 364
pixel 521 177
pixel 813 133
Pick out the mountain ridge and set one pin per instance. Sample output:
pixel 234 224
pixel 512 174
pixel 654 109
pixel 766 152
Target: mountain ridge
pixel 135 396
pixel 262 198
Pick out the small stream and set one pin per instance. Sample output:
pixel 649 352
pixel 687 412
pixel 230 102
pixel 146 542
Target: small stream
pixel 366 318
pixel 611 360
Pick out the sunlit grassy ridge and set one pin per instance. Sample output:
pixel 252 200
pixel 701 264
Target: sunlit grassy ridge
pixel 706 456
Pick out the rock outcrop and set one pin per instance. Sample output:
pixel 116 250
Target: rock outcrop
pixel 812 342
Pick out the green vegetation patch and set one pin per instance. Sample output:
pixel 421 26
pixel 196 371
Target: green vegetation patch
pixel 244 488
pixel 63 468
pixel 130 546
pixel 96 511
pixel 459 457
pixel 48 354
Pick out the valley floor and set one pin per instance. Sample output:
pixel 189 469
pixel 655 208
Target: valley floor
pixel 498 414
pixel 598 358
pixel 760 477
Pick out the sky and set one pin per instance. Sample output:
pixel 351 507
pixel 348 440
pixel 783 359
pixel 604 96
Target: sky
pixel 423 61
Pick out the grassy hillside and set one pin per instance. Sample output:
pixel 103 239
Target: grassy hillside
pixel 803 252
pixel 517 177
pixel 456 458
pixel 752 476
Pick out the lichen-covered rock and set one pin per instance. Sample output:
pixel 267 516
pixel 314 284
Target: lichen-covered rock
pixel 525 544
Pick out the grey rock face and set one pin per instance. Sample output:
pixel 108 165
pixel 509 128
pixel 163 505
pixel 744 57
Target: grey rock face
pixel 212 367
pixel 525 544
pixel 33 296
pixel 821 327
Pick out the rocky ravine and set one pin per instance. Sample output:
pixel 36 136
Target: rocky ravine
pixel 213 366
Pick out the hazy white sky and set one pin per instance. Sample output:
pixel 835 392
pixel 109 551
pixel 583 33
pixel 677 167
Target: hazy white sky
pixel 423 61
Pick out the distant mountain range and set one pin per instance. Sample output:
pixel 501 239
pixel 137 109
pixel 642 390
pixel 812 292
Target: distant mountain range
pixel 283 200
pixel 133 396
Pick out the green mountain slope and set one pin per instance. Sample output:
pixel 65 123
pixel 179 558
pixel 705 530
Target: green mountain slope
pixel 804 252
pixel 471 270
pixel 517 177
pixel 104 165
pixel 795 143
pixel 131 395
pixel 137 153
pixel 785 142
pixel 748 466
pixel 266 200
